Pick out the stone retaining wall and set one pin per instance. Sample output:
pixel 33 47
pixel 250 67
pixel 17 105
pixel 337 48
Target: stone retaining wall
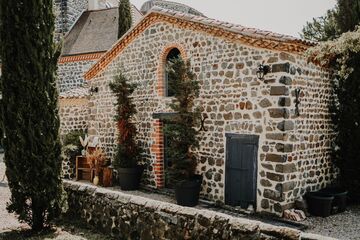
pixel 132 217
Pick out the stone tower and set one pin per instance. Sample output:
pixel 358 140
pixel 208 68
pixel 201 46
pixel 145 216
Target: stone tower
pixel 66 12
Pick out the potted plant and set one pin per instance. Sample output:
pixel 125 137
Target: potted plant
pixel 96 159
pixel 181 134
pixel 127 152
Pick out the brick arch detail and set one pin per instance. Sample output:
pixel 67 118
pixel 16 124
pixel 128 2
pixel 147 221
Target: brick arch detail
pixel 160 86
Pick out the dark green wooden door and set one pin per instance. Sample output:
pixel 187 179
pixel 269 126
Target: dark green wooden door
pixel 241 170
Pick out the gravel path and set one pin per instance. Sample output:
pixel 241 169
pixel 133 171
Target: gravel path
pixel 344 225
pixel 7 221
pixel 11 229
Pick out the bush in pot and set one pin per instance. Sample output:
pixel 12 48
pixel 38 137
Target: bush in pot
pixel 127 153
pixel 181 134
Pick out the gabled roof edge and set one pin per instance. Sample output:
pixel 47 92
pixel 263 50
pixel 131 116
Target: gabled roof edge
pixel 260 39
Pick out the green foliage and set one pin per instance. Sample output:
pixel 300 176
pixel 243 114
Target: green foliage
pixel 321 29
pixel 71 146
pixel 343 55
pixel 343 18
pixel 348 16
pixel 32 157
pixel 180 129
pixel 125 18
pixel 127 154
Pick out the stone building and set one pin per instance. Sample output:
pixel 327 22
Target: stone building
pixel 264 142
pixel 93 33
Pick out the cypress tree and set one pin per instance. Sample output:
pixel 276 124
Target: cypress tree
pixel 179 130
pixel 32 157
pixel 125 19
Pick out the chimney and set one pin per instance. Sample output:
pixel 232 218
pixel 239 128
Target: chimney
pixel 93 5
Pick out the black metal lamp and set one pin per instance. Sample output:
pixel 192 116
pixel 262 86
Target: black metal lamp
pixel 93 90
pixel 262 71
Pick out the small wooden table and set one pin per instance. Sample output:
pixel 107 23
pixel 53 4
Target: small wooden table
pixel 83 170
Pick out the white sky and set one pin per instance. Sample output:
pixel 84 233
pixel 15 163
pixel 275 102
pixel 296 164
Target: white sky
pixel 280 16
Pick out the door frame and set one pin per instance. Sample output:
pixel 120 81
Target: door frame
pixel 253 139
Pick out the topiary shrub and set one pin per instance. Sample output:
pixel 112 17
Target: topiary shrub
pixel 180 129
pixel 128 151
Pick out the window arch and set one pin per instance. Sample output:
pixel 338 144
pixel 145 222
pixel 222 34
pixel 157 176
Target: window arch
pixel 171 52
pixel 172 55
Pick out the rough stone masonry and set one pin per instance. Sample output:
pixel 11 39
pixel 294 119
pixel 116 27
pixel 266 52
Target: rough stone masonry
pixel 125 216
pixel 288 110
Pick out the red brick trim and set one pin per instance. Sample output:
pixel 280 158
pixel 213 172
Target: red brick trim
pixel 160 87
pixel 80 57
pixel 157 149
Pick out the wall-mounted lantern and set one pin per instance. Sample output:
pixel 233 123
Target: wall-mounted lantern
pixel 297 101
pixel 262 71
pixel 93 90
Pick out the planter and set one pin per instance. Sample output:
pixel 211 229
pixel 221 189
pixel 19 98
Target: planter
pixel 187 192
pixel 319 204
pixel 340 196
pixel 129 178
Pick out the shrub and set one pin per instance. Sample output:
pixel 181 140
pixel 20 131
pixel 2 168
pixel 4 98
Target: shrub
pixel 180 129
pixel 127 153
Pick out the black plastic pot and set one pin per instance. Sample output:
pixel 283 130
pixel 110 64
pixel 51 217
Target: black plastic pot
pixel 187 192
pixel 319 204
pixel 340 196
pixel 129 178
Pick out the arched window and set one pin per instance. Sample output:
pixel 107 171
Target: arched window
pixel 173 54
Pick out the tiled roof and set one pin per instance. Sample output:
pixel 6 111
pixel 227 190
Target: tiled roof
pixel 250 32
pixel 75 93
pixel 232 32
pixel 95 31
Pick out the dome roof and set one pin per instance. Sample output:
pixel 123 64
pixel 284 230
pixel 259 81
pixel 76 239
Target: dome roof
pixel 146 7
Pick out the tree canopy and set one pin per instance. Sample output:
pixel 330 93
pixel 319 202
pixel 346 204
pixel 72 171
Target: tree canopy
pixel 343 18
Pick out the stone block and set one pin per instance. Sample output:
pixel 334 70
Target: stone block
pixel 285 80
pixel 279 112
pixel 281 67
pixel 279 90
pixel 270 157
pixel 274 195
pixel 275 136
pixel 280 147
pixel 286 125
pixel 264 103
pixel 284 102
pixel 286 57
pixel 285 168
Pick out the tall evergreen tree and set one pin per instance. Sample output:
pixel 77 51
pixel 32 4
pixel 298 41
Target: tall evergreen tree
pixel 125 18
pixel 348 16
pixel 32 157
pixel 343 18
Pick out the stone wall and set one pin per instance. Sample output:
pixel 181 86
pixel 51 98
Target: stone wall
pixel 70 74
pixel 132 217
pixel 293 151
pixel 73 114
